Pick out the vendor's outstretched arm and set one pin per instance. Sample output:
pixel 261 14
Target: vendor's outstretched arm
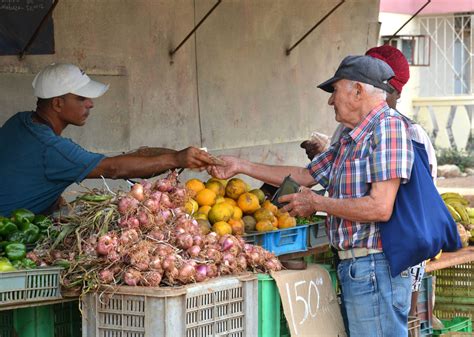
pixel 133 165
pixel 270 174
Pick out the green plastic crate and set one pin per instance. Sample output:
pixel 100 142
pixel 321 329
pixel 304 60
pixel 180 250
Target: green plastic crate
pixel 449 311
pixel 6 323
pixel 458 324
pixel 34 321
pixel 269 307
pixel 67 319
pixel 455 284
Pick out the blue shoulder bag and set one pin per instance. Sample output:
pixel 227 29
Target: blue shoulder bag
pixel 420 225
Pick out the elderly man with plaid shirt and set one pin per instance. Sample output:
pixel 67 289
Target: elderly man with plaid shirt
pixel 362 174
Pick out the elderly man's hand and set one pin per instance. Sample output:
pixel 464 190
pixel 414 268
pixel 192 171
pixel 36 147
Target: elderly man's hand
pixel 304 203
pixel 193 157
pixel 229 169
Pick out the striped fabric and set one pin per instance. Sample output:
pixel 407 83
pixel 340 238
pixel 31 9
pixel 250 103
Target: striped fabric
pixel 378 149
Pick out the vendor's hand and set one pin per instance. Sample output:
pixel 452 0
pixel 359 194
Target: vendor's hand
pixel 193 157
pixel 304 203
pixel 226 171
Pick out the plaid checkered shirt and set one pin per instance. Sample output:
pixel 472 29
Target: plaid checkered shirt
pixel 377 149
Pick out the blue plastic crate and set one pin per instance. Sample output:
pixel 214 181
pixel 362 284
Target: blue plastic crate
pixel 282 241
pixel 425 305
pixel 317 234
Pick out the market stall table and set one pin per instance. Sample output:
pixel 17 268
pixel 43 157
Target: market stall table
pixel 446 260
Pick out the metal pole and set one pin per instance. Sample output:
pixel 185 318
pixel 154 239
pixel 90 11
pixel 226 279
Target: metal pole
pixel 38 29
pixel 399 29
pixel 288 51
pixel 195 28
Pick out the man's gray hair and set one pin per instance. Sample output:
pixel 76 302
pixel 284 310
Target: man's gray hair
pixel 371 90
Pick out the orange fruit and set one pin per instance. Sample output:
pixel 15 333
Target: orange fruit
pixel 204 209
pixel 222 228
pixel 235 187
pixel 195 185
pixel 260 195
pixel 237 213
pixel 220 199
pixel 248 203
pixel 216 186
pixel 200 216
pixel 274 221
pixel 271 207
pixel 249 223
pixel 204 225
pixel 222 181
pixel 191 206
pixel 205 197
pixel 230 201
pixel 286 221
pixel 220 212
pixel 263 214
pixel 237 226
pixel 264 226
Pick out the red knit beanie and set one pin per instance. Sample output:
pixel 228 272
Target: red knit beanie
pixel 396 60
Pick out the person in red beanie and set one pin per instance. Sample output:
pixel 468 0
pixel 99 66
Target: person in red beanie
pixel 399 64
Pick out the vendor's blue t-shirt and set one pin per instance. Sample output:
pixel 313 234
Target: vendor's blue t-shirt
pixel 36 165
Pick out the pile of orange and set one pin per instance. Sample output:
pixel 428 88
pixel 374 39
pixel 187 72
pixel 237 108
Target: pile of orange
pixel 230 207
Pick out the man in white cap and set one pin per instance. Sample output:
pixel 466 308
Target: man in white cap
pixel 37 164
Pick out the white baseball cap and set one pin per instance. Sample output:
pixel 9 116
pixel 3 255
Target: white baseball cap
pixel 59 79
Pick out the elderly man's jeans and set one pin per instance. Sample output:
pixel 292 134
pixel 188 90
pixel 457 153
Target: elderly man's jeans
pixel 377 304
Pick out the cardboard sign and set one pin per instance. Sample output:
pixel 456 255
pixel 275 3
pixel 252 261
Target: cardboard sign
pixel 309 302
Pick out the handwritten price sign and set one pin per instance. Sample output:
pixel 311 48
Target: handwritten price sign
pixel 309 302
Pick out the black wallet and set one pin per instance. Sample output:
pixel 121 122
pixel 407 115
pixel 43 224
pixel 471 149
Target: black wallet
pixel 288 186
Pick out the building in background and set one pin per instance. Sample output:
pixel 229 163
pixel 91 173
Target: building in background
pixel 438 44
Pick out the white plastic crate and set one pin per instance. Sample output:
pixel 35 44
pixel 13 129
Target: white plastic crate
pixel 225 306
pixel 32 285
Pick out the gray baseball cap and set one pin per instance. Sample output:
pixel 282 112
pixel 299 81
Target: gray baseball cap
pixel 362 68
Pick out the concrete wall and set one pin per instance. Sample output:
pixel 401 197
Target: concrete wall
pixel 230 88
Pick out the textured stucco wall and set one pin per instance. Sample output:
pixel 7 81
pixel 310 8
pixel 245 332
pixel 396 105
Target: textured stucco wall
pixel 230 88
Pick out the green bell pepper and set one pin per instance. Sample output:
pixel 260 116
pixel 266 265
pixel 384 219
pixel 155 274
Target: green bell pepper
pixel 7 227
pixel 22 215
pixel 43 222
pixel 31 233
pixel 17 237
pixel 15 251
pixel 24 264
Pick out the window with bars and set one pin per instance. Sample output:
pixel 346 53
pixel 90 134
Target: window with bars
pixel 416 48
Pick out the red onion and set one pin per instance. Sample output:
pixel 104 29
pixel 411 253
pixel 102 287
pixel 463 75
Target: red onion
pixel 165 201
pixel 146 187
pixel 165 214
pixel 197 240
pixel 163 185
pixel 186 273
pixel 152 205
pixel 227 244
pixel 143 218
pixel 132 277
pixel 151 278
pixel 106 276
pixel 156 196
pixel 155 263
pixel 157 234
pixel 113 256
pixel 169 262
pixel 184 241
pixel 211 238
pixel 201 273
pixel 137 192
pixel 129 236
pixel 127 205
pixel 242 262
pixel 211 270
pixel 194 251
pixel 105 244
